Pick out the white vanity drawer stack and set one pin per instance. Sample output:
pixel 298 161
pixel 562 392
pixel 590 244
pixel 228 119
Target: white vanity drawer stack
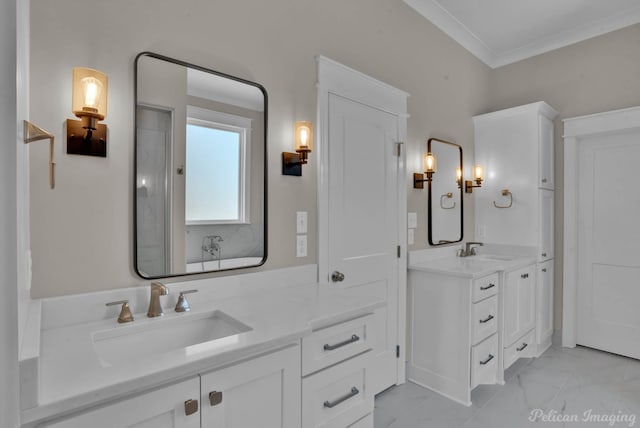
pixel 336 375
pixel 484 326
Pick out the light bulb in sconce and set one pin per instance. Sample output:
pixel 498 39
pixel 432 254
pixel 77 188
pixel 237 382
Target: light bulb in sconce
pixel 430 164
pixel 88 102
pixel 459 177
pixel 477 171
pixel 303 145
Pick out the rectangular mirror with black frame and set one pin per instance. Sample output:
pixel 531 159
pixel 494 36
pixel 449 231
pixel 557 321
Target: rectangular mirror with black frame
pixel 200 169
pixel 445 222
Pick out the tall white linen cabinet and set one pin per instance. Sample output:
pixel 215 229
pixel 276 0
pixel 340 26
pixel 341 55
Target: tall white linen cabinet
pixel 514 207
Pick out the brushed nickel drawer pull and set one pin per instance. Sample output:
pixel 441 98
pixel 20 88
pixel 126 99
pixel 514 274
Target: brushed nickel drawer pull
pixel 487 319
pixel 544 269
pixel 486 287
pixel 524 345
pixel 331 404
pixel 489 358
pixel 524 276
pixel 354 338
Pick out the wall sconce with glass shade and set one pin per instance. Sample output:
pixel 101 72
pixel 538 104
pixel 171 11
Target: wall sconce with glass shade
pixel 89 102
pixel 303 145
pixel 478 177
pixel 459 177
pixel 430 163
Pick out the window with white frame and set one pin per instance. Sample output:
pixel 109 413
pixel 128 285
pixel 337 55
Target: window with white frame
pixel 217 168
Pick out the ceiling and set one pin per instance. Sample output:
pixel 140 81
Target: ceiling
pixel 501 32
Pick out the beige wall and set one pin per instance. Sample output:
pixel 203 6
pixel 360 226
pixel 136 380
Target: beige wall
pixel 82 231
pixel 596 75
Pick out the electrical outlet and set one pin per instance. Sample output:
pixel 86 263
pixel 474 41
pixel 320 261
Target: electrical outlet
pixel 301 246
pixel 301 222
pixel 411 237
pixel 412 220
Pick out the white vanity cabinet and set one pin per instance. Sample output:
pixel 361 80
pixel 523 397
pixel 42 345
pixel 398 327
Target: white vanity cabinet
pixel 519 318
pixel 262 391
pixel 165 407
pixel 336 369
pixel 516 147
pixel 453 322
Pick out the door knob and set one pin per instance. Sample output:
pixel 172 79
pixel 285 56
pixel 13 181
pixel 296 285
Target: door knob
pixel 337 276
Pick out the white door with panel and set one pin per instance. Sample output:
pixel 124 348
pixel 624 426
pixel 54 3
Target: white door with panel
pixel 608 286
pixel 363 217
pixel 174 406
pixel 263 392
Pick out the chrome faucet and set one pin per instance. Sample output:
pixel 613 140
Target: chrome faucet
pixel 155 308
pixel 469 249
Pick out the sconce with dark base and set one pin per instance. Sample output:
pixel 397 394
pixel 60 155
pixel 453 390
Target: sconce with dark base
pixel 86 136
pixel 84 140
pixel 478 176
pixel 430 167
pixel 303 142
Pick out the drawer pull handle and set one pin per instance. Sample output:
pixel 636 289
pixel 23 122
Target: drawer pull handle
pixel 524 276
pixel 489 358
pixel 353 338
pixel 487 319
pixel 524 345
pixel 486 287
pixel 544 269
pixel 331 404
pixel 544 254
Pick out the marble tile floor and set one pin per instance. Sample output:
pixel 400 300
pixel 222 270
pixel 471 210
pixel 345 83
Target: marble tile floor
pixel 578 387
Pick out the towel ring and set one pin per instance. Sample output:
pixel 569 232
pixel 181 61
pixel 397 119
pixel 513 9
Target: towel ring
pixel 505 192
pixel 447 195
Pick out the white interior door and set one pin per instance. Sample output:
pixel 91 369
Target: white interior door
pixel 608 289
pixel 363 216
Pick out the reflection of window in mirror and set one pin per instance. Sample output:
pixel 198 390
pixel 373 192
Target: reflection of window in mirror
pixel 217 168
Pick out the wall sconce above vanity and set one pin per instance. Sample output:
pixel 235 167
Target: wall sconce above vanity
pixel 478 177
pixel 430 163
pixel 89 103
pixel 303 145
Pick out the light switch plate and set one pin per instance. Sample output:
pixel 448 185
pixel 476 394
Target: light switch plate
pixel 412 220
pixel 301 222
pixel 301 246
pixel 411 237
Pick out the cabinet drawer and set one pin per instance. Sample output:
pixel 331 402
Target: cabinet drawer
pixel 338 396
pixel 366 422
pixel 484 362
pixel 484 319
pixel 331 345
pixel 523 347
pixel 485 287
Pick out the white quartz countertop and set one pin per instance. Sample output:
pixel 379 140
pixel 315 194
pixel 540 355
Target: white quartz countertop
pixel 472 266
pixel 72 375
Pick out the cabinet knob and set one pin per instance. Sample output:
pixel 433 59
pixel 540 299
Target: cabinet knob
pixel 337 276
pixel 544 180
pixel 544 269
pixel 524 276
pixel 190 407
pixel 215 397
pixel 544 254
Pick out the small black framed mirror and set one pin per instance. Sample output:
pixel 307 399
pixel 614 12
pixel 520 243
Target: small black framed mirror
pixel 445 210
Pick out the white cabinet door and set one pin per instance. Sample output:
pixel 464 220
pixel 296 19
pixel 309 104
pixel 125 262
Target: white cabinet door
pixel 545 161
pixel 162 408
pixel 263 392
pixel 545 226
pixel 519 304
pixel 544 323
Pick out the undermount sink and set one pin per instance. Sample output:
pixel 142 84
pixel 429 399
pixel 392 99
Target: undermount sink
pixel 156 337
pixel 495 257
